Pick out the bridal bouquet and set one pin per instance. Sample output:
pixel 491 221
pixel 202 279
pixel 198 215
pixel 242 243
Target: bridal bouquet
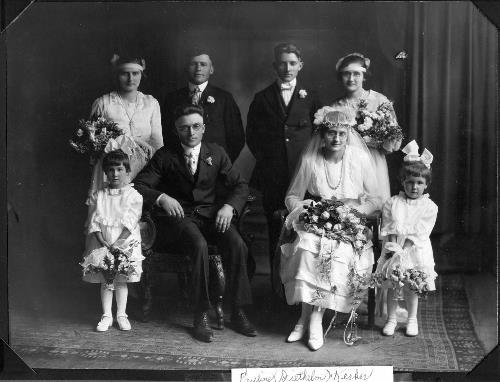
pixel 92 136
pixel 110 262
pixel 336 221
pixel 379 127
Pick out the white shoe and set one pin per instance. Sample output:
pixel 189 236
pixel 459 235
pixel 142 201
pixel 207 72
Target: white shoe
pixel 105 323
pixel 316 340
pixel 297 333
pixel 412 327
pixel 123 322
pixel 389 327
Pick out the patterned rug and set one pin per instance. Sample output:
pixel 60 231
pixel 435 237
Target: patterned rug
pixel 65 339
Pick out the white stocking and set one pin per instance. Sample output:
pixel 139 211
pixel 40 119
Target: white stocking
pixel 106 300
pixel 121 294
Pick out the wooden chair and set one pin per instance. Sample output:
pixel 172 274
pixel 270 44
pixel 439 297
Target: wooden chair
pixel 162 258
pixel 373 222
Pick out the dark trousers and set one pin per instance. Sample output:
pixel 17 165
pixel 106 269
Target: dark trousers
pixel 193 233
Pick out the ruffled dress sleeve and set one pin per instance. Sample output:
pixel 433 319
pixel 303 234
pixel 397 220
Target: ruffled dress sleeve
pixel 133 210
pixel 156 140
pixel 387 227
pixel 92 218
pixel 422 228
pixel 372 201
pixel 97 109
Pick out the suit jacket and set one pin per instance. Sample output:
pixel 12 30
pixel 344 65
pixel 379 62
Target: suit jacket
pixel 168 173
pixel 222 119
pixel 276 135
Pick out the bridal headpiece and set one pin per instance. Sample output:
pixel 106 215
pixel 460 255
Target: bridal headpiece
pixel 325 118
pixel 128 63
pixel 366 60
pixel 411 151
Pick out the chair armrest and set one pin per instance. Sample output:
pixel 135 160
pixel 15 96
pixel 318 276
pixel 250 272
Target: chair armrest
pixel 148 230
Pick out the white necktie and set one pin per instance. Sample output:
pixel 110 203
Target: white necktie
pixel 286 92
pixel 195 96
pixel 191 162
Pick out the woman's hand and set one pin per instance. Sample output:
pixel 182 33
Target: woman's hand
pixel 391 145
pixel 351 202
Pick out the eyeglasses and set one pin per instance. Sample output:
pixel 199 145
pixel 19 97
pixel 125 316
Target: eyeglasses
pixel 194 126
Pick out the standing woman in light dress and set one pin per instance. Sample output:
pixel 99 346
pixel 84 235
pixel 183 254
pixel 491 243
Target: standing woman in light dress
pixel 352 71
pixel 136 113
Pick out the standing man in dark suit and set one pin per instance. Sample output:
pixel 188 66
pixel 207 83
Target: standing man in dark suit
pixel 279 125
pixel 221 113
pixel 181 183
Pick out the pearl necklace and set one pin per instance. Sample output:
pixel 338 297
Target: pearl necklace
pixel 328 173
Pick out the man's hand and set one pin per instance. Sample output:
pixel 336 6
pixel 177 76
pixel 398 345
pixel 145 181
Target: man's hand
pixel 171 206
pixel 223 218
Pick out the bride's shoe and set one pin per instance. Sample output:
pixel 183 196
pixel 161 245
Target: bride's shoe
pixel 297 333
pixel 316 340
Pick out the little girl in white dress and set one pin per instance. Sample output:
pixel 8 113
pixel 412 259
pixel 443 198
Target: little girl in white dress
pixel 114 214
pixel 407 222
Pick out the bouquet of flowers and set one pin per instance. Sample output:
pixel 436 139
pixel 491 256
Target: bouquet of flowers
pixel 110 262
pixel 336 221
pixel 414 279
pixel 92 136
pixel 379 128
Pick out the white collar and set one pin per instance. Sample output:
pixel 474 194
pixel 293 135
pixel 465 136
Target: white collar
pixel 292 83
pixel 194 150
pixel 201 86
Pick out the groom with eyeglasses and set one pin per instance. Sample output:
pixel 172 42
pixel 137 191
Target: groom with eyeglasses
pixel 182 186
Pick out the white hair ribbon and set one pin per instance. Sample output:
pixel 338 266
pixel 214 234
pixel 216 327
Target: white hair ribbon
pixel 411 151
pixel 365 59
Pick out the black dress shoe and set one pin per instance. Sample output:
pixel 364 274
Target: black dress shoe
pixel 241 324
pixel 202 331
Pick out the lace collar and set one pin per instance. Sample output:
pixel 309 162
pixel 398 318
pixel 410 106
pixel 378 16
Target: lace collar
pixel 118 191
pixel 114 98
pixel 412 202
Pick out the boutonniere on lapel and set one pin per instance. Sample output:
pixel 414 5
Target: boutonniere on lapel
pixel 208 160
pixel 210 99
pixel 302 93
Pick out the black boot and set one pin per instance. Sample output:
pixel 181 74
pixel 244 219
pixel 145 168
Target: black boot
pixel 241 324
pixel 202 331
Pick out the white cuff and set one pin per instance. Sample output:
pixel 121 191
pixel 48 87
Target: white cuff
pixel 157 202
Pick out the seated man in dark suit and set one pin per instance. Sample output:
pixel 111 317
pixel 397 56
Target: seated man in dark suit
pixel 221 114
pixel 182 183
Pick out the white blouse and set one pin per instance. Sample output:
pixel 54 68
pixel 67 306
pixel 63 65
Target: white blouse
pixel 145 116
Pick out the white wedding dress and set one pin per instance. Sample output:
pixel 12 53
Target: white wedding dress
pixel 352 178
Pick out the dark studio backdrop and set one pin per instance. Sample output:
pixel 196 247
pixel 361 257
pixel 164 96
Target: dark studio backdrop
pixel 445 96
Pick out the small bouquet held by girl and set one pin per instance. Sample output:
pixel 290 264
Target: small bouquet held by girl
pixel 113 255
pixel 112 261
pixel 379 128
pixel 406 265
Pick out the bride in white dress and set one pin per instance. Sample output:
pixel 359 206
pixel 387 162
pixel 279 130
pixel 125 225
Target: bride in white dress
pixel 335 165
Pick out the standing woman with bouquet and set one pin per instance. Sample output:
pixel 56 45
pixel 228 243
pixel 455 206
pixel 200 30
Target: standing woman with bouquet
pixel 352 72
pixel 136 114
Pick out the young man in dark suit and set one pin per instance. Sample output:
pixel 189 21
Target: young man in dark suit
pixel 182 184
pixel 279 125
pixel 221 113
